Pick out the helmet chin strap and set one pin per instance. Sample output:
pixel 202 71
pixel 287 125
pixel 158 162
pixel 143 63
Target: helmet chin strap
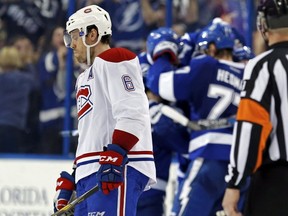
pixel 88 49
pixel 88 55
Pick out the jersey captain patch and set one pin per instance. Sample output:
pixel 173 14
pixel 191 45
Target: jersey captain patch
pixel 84 105
pixel 90 75
pixel 128 84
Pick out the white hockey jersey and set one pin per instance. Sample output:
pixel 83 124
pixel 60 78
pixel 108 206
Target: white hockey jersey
pixel 110 95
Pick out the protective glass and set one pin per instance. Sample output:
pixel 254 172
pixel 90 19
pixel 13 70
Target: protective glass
pixel 68 38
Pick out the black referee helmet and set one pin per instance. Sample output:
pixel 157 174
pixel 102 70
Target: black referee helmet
pixel 272 14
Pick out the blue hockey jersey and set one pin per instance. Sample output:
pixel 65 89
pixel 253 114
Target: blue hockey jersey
pixel 212 88
pixel 187 45
pixel 168 138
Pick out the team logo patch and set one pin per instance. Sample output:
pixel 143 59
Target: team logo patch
pixel 88 10
pixel 84 105
pixel 128 84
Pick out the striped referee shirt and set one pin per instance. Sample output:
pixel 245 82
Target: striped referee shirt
pixel 261 131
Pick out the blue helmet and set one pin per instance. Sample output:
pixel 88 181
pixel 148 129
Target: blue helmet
pixel 220 34
pixel 160 34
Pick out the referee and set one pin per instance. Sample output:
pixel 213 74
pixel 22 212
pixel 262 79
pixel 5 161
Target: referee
pixel 260 145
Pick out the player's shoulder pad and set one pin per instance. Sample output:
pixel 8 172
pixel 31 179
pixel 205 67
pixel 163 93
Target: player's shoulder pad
pixel 117 55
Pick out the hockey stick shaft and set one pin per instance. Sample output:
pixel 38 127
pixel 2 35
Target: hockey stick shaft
pixel 203 124
pixel 76 201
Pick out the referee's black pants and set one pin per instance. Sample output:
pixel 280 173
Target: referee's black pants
pixel 268 193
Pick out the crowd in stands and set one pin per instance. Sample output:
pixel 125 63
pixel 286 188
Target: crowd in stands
pixel 33 60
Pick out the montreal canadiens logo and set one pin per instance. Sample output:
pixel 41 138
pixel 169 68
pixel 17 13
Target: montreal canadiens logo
pixel 84 105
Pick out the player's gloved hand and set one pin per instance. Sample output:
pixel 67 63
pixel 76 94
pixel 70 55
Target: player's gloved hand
pixel 110 173
pixel 64 190
pixel 169 48
pixel 163 41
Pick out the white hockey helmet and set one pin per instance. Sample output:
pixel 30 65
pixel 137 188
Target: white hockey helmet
pixel 87 16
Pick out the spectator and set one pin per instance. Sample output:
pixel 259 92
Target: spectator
pixel 52 74
pixel 132 20
pixel 16 88
pixel 28 55
pixel 29 58
pixel 186 15
pixel 30 18
pixel 3 34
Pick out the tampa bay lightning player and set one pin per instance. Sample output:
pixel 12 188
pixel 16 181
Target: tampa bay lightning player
pixel 211 84
pixel 168 139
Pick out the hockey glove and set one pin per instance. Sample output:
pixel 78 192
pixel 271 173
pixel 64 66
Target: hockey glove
pixel 163 41
pixel 64 190
pixel 169 48
pixel 110 173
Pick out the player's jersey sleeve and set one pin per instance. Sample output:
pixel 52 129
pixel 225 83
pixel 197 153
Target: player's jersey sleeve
pixel 253 126
pixel 187 47
pixel 125 92
pixel 145 62
pixel 178 84
pixel 190 80
pixel 161 65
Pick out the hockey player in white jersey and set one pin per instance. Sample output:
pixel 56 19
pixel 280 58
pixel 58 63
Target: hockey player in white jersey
pixel 114 146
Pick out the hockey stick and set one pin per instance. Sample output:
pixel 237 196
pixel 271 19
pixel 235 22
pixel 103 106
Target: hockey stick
pixel 202 124
pixel 69 209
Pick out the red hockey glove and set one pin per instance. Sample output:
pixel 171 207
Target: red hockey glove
pixel 110 173
pixel 64 190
